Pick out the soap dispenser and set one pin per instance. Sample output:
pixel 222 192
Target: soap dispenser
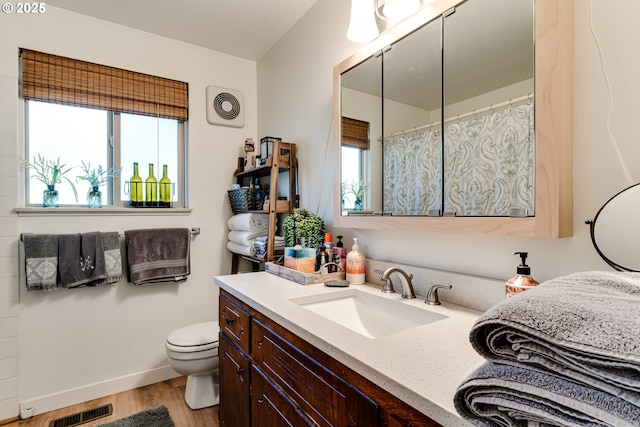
pixel 522 280
pixel 355 265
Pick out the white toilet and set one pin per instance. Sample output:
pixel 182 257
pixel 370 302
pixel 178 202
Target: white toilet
pixel 193 351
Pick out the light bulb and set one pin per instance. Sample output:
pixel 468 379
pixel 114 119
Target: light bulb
pixel 362 26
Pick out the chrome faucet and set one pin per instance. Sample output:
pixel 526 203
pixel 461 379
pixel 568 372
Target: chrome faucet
pixel 405 280
pixel 432 295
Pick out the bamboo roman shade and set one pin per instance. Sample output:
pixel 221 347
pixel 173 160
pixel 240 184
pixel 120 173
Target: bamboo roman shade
pixel 355 133
pixel 53 78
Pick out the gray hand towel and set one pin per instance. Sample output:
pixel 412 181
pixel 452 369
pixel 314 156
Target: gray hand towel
pixel 158 255
pixel 81 259
pixel 584 326
pixel 112 256
pixel 41 261
pixel 503 395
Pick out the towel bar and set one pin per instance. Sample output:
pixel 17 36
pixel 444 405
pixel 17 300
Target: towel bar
pixel 194 232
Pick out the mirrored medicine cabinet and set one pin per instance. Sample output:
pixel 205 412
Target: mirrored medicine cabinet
pixel 460 120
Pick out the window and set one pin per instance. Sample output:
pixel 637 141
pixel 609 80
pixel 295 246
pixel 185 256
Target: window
pixel 355 145
pixel 84 112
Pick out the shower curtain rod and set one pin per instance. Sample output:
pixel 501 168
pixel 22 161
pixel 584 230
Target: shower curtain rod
pixel 463 115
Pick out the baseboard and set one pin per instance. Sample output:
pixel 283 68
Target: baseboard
pixel 9 420
pixel 65 398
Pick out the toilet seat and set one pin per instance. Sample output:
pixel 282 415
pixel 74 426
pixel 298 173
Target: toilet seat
pixel 194 338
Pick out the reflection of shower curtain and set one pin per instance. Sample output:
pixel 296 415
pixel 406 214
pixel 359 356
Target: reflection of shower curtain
pixel 489 163
pixel 412 173
pixel 488 170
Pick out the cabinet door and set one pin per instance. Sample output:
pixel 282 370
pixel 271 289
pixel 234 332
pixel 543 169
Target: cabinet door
pixel 270 407
pixel 234 322
pixel 234 385
pixel 320 394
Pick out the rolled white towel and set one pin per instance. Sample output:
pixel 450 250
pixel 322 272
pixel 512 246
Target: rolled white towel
pixel 248 222
pixel 245 237
pixel 241 249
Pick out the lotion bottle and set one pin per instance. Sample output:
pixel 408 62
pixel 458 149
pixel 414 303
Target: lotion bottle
pixel 355 265
pixel 522 280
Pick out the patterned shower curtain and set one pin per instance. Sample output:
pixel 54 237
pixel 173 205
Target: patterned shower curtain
pixel 412 173
pixel 488 166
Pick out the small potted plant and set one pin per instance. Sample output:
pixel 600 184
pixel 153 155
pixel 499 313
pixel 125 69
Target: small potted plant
pixel 50 173
pixel 304 227
pixel 96 178
pixel 357 189
pixel 303 235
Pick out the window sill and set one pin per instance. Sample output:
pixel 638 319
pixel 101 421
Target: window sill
pixel 105 210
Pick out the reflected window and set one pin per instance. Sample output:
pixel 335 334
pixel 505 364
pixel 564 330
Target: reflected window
pixel 355 145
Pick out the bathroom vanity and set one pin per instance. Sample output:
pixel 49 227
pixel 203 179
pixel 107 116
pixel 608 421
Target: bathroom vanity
pixel 283 358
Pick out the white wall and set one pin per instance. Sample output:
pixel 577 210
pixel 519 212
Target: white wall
pixel 297 73
pixel 73 345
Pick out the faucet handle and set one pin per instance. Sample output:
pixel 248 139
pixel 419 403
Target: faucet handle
pixel 380 272
pixel 432 295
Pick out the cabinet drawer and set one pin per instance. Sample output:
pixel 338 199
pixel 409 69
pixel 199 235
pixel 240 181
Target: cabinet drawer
pixel 234 323
pixel 270 407
pixel 321 395
pixel 234 385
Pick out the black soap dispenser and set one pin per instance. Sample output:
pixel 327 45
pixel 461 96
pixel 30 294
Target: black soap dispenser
pixel 522 280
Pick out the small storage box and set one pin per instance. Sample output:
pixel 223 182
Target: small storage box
pixel 300 277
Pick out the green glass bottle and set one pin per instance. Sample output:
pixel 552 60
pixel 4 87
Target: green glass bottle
pixel 151 189
pixel 165 189
pixel 135 190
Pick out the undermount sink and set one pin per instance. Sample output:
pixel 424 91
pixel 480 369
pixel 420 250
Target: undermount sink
pixel 371 315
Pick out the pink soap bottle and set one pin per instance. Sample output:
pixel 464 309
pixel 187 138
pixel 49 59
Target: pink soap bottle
pixel 522 280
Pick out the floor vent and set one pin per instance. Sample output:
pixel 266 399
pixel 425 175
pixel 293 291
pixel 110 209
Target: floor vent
pixel 83 417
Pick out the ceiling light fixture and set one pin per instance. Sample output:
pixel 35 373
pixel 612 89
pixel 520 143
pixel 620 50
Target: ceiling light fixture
pixel 362 25
pixel 396 10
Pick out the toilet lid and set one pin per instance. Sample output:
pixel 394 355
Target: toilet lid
pixel 199 334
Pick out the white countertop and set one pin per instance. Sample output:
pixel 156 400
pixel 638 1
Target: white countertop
pixel 422 366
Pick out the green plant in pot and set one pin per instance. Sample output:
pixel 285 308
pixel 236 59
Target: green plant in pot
pixel 357 189
pixel 305 227
pixel 96 177
pixel 50 173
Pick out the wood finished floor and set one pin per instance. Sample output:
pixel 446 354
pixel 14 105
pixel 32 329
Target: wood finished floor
pixel 169 393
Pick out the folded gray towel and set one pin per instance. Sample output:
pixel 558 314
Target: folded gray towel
pixel 81 260
pixel 502 395
pixel 112 256
pixel 158 255
pixel 41 261
pixel 584 326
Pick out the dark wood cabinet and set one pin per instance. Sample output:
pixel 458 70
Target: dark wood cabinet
pixel 292 383
pixel 235 375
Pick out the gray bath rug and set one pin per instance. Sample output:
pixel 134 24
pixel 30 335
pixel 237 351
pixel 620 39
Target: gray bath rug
pixel 154 417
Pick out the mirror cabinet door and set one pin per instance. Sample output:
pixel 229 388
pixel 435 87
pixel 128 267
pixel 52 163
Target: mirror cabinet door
pixel 412 110
pixel 361 128
pixel 489 134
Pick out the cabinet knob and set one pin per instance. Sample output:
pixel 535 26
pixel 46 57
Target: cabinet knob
pixel 229 321
pixel 239 370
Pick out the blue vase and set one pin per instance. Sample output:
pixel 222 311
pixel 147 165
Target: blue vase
pixel 94 198
pixel 50 197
